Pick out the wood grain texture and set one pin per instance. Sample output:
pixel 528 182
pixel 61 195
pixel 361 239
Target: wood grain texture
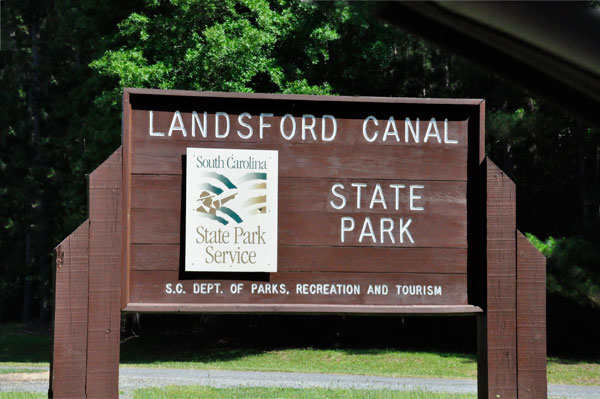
pixel 327 259
pixel 306 216
pixel 150 287
pixel 314 195
pixel 309 237
pixel 207 95
pixel 326 161
pixel 70 323
pixel 431 310
pixel 105 200
pixel 501 341
pixel 349 127
pixel 531 320
pixel 126 198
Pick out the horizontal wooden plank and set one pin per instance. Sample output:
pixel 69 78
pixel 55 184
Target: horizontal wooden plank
pixel 326 161
pixel 150 226
pixel 303 288
pixel 327 259
pixel 226 128
pixel 306 194
pixel 170 95
pixel 307 215
pixel 463 310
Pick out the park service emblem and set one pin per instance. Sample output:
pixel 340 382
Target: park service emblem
pixel 231 210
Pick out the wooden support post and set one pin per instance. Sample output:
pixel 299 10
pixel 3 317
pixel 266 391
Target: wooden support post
pixel 497 361
pixel 102 379
pixel 70 323
pixel 531 321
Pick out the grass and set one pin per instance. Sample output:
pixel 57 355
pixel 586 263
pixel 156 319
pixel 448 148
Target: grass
pixel 383 362
pixel 566 371
pixel 22 350
pixel 21 347
pixel 13 370
pixel 287 393
pixel 193 392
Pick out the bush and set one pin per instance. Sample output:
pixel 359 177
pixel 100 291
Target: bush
pixel 573 269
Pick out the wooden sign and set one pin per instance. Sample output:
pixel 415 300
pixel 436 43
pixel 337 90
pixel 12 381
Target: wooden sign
pixel 220 202
pixel 372 201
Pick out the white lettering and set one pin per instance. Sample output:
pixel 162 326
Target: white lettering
pixel 177 118
pixel 370 233
pixel 358 186
pixel 413 197
pixel 446 139
pixel 374 137
pixel 338 195
pixel 388 230
pixel 397 188
pixel 282 126
pixel 404 230
pixel 377 197
pixel 246 125
pixel 324 137
pixel 311 126
pixel 345 228
pixel 391 123
pixel 408 127
pixel 262 124
pixel 151 131
pixel 201 126
pixel 218 134
pixel 432 124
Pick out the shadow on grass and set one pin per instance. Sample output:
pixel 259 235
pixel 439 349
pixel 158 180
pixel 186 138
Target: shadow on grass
pixel 21 343
pixel 568 361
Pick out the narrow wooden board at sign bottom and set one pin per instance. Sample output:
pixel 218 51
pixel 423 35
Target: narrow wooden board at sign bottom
pixel 284 288
pixel 462 310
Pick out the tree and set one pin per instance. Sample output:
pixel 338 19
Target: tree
pixel 66 62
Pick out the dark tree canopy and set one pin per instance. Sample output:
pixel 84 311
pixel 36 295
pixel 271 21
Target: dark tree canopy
pixel 64 64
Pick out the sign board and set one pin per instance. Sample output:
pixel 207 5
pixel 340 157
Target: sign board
pixel 220 202
pixel 362 202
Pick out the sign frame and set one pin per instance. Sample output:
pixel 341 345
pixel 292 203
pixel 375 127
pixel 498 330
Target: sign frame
pixel 472 109
pixel 506 283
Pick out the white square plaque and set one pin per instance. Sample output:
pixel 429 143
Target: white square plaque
pixel 231 210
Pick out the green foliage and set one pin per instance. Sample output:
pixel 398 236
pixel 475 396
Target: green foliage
pixel 573 268
pixel 216 46
pixel 60 108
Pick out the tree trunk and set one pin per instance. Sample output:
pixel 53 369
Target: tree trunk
pixel 596 183
pixel 585 222
pixel 40 257
pixel 26 315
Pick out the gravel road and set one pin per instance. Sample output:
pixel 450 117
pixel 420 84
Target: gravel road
pixel 132 378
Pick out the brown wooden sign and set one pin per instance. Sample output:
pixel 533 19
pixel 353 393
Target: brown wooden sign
pixel 372 200
pixel 383 206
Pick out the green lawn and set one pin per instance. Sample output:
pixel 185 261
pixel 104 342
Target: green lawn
pixel 193 392
pixel 285 393
pixel 13 370
pixel 22 395
pixel 384 362
pixel 22 350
